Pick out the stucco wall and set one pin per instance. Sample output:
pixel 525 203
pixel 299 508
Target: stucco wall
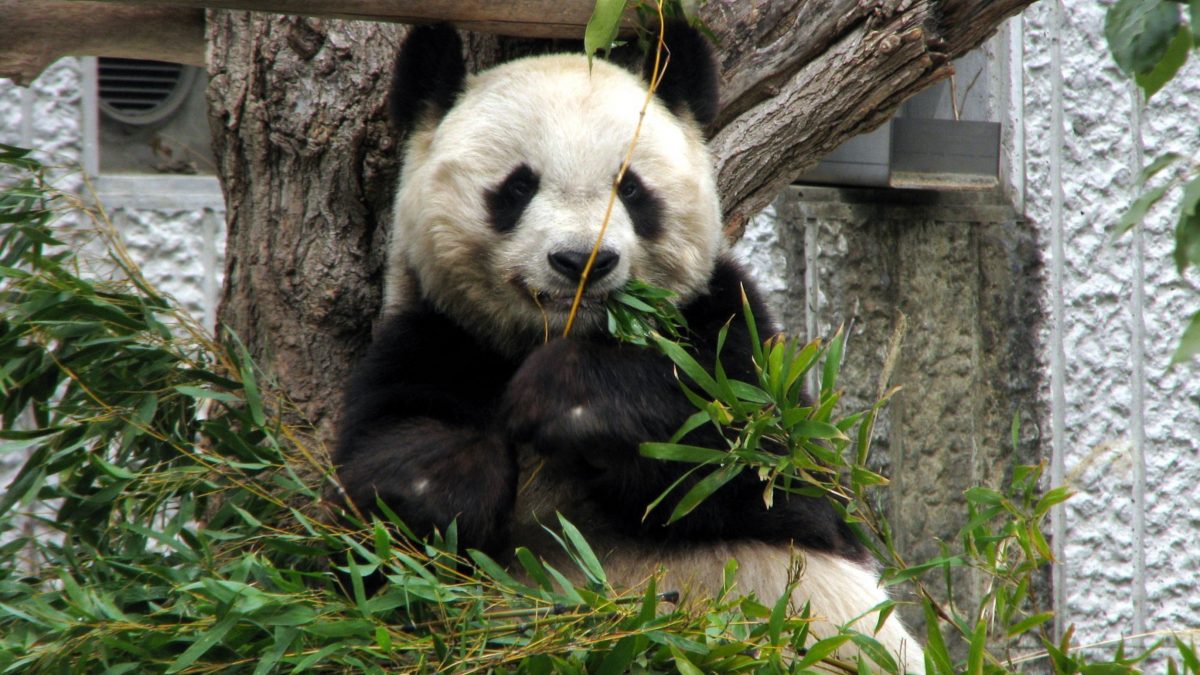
pixel 1094 343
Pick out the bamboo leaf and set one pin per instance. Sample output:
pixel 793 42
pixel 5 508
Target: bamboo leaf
pixel 683 453
pixel 703 489
pixel 1138 209
pixel 602 27
pixel 1029 623
pixel 206 642
pixel 584 551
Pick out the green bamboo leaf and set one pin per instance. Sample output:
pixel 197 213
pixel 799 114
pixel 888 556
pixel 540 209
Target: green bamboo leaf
pixel 602 27
pixel 204 643
pixel 1138 210
pixel 935 646
pixel 534 568
pixel 796 421
pixel 752 326
pixel 1029 623
pixel 583 550
pixel 493 569
pixel 702 489
pixel 1052 497
pixel 1188 654
pixel 250 386
pixel 875 651
pixel 1187 230
pixel 676 452
pixel 1154 168
pixel 200 393
pixel 913 571
pixel 683 665
pixel 833 363
pixel 983 495
pixel 1189 342
pixel 688 365
pixel 749 393
pixel 620 658
pixel 977 649
pixel 1187 240
pixel 820 650
pixel 693 422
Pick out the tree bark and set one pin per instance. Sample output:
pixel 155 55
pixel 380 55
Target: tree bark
pixel 308 162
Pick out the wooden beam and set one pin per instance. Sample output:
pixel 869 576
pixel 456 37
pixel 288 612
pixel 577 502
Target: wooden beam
pixel 37 34
pixel 526 18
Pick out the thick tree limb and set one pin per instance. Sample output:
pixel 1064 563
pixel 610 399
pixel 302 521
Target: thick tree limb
pixel 799 78
pixel 37 34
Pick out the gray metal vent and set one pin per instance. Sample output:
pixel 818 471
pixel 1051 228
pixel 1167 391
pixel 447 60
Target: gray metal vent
pixel 142 92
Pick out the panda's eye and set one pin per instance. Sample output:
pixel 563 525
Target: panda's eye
pixel 630 187
pixel 519 187
pixel 643 206
pixel 507 201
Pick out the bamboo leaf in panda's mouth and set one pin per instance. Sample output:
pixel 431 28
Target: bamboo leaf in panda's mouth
pixel 639 310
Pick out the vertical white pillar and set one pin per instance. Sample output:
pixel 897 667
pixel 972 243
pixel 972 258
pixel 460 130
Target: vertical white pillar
pixel 1137 353
pixel 1058 401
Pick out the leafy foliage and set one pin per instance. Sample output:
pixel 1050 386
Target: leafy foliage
pixel 170 516
pixel 1151 40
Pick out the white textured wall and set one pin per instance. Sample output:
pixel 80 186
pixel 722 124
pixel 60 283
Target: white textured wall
pixel 46 114
pixel 1115 405
pixel 173 226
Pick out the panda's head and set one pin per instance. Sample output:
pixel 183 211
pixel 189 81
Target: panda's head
pixel 507 175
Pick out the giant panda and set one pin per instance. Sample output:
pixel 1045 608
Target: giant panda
pixel 469 408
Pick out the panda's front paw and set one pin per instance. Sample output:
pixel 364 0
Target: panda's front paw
pixel 552 403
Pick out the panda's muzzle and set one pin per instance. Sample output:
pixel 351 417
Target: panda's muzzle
pixel 571 264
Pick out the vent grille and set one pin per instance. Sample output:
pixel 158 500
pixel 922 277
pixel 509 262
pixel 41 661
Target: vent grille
pixel 142 92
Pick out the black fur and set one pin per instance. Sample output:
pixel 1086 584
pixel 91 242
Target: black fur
pixel 644 207
pixel 690 81
pixel 429 75
pixel 508 200
pixel 432 403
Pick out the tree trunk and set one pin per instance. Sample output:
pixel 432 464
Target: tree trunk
pixel 308 162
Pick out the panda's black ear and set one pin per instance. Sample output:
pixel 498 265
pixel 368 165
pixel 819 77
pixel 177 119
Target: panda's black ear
pixel 429 75
pixel 690 80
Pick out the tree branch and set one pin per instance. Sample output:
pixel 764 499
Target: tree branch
pixel 799 78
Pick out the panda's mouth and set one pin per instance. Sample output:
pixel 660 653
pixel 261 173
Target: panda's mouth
pixel 559 301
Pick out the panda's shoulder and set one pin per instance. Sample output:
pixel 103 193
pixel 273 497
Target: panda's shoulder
pixel 422 344
pixel 729 289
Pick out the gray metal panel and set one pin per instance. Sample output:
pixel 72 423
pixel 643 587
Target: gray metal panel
pixel 944 153
pixel 861 161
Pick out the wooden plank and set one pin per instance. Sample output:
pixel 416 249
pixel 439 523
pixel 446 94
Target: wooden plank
pixel 528 18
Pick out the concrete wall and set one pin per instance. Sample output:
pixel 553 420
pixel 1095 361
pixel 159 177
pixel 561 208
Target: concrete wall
pixel 958 275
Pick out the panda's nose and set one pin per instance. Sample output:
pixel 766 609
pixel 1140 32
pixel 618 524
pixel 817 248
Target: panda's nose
pixel 570 264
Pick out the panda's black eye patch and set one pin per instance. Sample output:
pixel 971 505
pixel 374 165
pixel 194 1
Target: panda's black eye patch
pixel 507 201
pixel 643 207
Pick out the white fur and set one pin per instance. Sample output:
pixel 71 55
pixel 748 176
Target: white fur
pixel 573 128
